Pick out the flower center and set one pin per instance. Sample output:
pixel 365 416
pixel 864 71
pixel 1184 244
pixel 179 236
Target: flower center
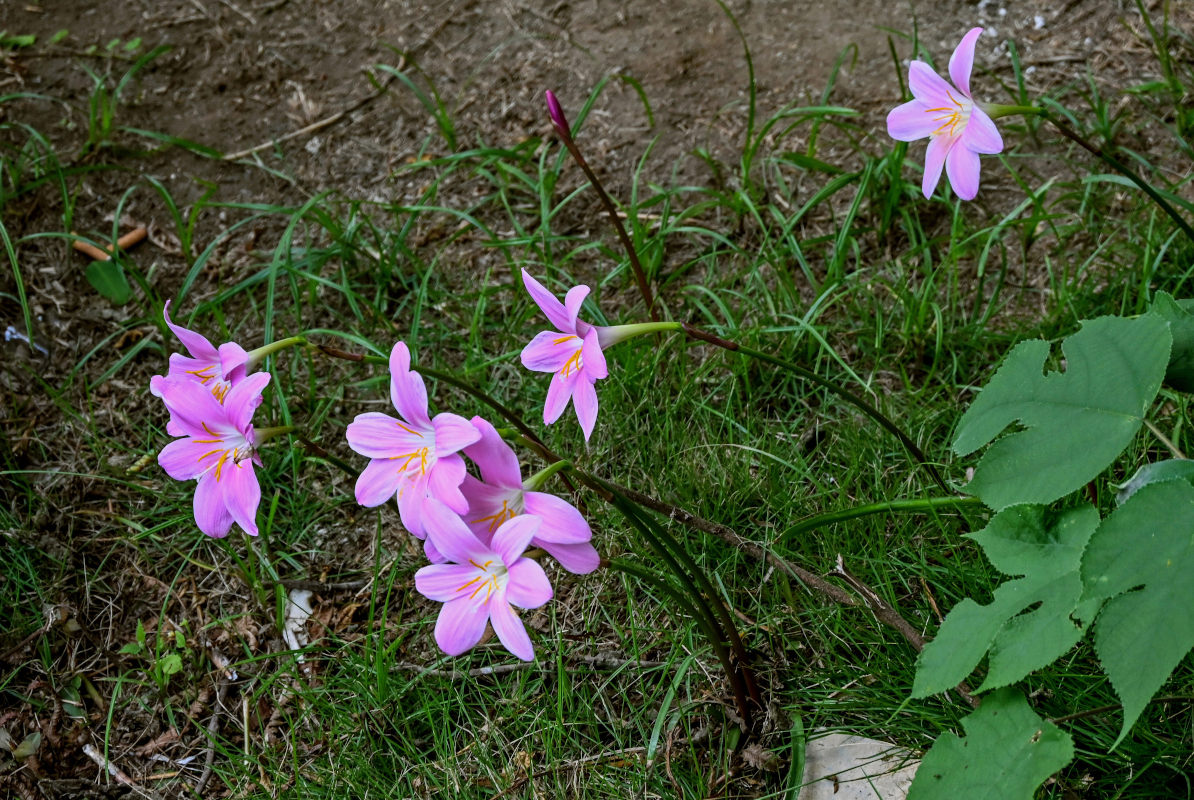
pixel 511 508
pixel 574 362
pixel 235 447
pixel 953 118
pixel 411 461
pixel 491 577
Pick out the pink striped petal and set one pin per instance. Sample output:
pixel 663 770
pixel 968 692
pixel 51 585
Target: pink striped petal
pixel 592 359
pixel 911 121
pixel 584 398
pixel 377 435
pixel 513 537
pixel 510 630
pixel 552 308
pixel 191 405
pixel 559 392
pixel 195 343
pixel 451 537
pixel 182 459
pixel 442 582
pixel 453 433
pixel 962 167
pixel 934 162
pixel 929 87
pixel 211 514
pixel 497 460
pixel 549 351
pixel 412 497
pixel 233 362
pixel 460 625
pixel 579 559
pixel 962 61
pixel 378 482
pixel 528 586
pixel 980 134
pixel 244 398
pixel 443 482
pixel 242 494
pixel 560 521
pixel 408 393
pixel 572 303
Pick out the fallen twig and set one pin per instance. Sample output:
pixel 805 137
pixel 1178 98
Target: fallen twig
pixel 130 239
pixel 213 727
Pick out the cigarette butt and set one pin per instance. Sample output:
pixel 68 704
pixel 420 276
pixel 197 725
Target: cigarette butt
pixel 124 242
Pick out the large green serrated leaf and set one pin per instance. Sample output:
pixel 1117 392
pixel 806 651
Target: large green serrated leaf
pixel 1077 421
pixel 1180 372
pixel 1008 752
pixel 1142 635
pixel 1047 551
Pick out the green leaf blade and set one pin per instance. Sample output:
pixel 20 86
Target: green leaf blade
pixel 1008 751
pixel 1076 421
pixel 1144 543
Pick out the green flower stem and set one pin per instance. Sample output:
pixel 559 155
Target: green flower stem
pixel 265 434
pixel 539 478
pixel 1122 168
pixel 260 354
pixel 912 506
pixel 640 276
pixel 856 400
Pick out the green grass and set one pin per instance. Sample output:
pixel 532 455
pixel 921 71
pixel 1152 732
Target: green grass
pixel 838 265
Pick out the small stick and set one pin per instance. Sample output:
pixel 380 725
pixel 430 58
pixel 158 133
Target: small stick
pixel 108 766
pixel 213 726
pixel 130 239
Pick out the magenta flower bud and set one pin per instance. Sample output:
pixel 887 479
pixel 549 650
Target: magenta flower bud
pixel 557 114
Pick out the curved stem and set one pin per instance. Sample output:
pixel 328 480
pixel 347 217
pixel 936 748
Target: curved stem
pixel 854 399
pixel 908 506
pixel 1122 168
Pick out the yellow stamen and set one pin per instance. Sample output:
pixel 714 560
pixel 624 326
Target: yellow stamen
pixel 572 363
pixel 495 520
pixel 408 430
pixel 563 339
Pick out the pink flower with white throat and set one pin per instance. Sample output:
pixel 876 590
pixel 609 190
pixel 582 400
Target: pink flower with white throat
pixel 414 457
pixel 481 582
pixel 219 369
pixel 572 353
pixel 958 128
pixel 502 496
pixel 218 448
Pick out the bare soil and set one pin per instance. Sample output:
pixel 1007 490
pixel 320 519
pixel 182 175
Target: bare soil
pixel 292 86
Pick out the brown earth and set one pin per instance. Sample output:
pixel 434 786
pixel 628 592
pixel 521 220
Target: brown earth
pixel 288 91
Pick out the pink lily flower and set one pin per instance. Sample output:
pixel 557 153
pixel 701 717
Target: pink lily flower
pixel 957 127
pixel 572 352
pixel 481 581
pixel 217 369
pixel 415 457
pixel 219 448
pixel 562 533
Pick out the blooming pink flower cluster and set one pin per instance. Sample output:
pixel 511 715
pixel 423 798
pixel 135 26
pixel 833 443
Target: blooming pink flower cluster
pixel 211 398
pixel 475 531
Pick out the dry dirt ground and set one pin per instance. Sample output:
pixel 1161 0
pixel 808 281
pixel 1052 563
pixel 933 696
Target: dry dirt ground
pixel 285 84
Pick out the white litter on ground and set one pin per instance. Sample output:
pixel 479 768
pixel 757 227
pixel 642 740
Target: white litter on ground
pixel 842 767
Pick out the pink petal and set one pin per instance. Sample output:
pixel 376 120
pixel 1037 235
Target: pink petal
pixel 549 351
pixel 196 344
pixel 572 303
pixel 929 87
pixel 513 537
pixel 242 494
pixel 584 399
pixel 244 398
pixel 412 497
pixel 447 531
pixel 460 625
pixel 510 630
pixel 233 362
pixel 453 433
pixel 911 121
pixel 962 60
pixel 407 390
pixel 377 435
pixel 934 162
pixel 378 482
pixel 191 406
pixel 980 134
pixel 552 308
pixel 487 506
pixel 442 582
pixel 591 357
pixel 560 521
pixel 182 459
pixel 579 559
pixel 528 586
pixel 211 515
pixel 443 482
pixel 559 392
pixel 433 555
pixel 497 460
pixel 962 166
